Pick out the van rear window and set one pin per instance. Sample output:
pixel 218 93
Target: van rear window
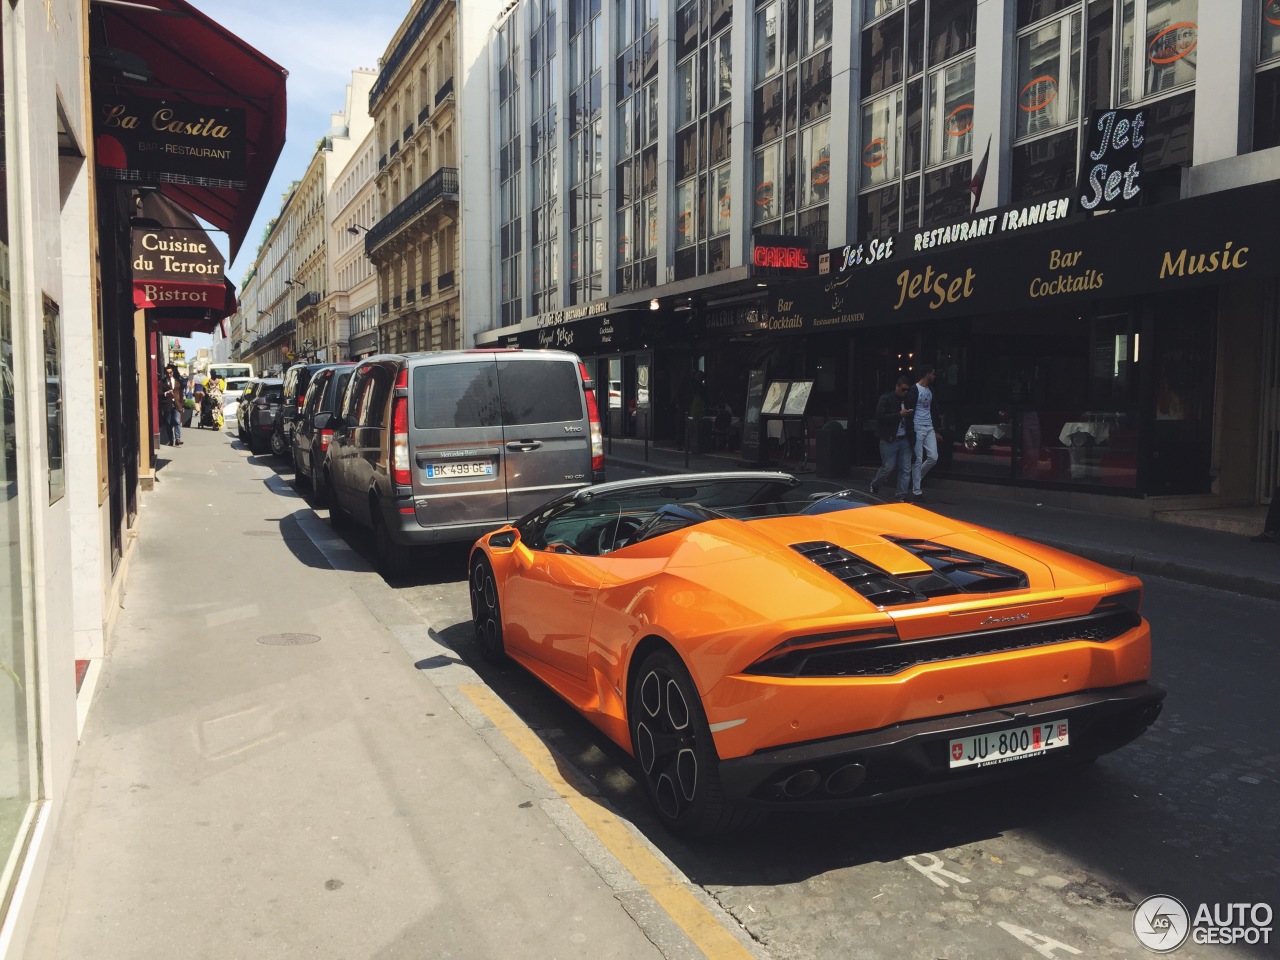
pixel 535 391
pixel 453 395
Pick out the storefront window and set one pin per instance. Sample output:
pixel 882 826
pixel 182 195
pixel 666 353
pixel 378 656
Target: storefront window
pixel 768 187
pixel 879 139
pixel 684 92
pixel 1048 76
pixel 16 703
pixel 951 112
pixel 1158 42
pixel 1266 99
pixel 816 162
pixel 686 227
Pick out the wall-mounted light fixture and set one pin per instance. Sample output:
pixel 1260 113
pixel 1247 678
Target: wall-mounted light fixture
pixel 654 305
pixel 355 229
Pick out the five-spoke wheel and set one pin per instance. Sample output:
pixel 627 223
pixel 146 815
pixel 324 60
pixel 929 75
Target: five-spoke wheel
pixel 672 743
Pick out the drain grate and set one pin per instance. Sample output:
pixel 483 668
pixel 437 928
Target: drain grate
pixel 288 639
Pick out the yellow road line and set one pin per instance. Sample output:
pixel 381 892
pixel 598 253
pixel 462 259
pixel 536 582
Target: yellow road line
pixel 698 923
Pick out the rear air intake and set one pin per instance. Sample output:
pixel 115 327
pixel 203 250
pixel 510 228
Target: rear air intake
pixel 951 572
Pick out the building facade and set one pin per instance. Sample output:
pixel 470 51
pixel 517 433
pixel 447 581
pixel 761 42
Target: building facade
pixel 353 302
pixel 910 192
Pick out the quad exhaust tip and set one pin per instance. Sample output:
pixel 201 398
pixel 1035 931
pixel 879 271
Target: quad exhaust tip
pixel 842 780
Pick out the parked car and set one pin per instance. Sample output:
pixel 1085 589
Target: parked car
pixel 231 398
pixel 256 416
pixel 296 380
pixel 756 649
pixel 440 447
pixel 313 430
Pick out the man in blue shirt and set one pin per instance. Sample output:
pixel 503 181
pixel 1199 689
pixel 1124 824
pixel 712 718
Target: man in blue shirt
pixel 920 399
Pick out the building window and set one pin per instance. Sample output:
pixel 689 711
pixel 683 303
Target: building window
pixel 1076 57
pixel 915 155
pixel 790 130
pixel 1266 99
pixel 586 144
pixel 703 136
pixel 546 181
pixel 510 158
pixel 636 172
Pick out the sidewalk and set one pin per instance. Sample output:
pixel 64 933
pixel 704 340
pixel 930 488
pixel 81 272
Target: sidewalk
pixel 1190 554
pixel 265 773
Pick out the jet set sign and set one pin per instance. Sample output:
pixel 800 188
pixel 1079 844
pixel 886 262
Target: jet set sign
pixel 1111 169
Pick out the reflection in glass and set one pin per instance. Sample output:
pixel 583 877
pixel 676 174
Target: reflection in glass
pixel 16 670
pixel 951 112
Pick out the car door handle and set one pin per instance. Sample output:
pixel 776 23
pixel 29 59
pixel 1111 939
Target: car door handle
pixel 583 596
pixel 524 446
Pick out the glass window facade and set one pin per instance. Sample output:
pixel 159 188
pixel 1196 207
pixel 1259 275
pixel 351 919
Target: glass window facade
pixel 917 93
pixel 17 703
pixel 586 148
pixel 791 141
pixel 510 162
pixel 1075 57
pixel 704 124
pixel 1266 94
pixel 636 141
pixel 544 239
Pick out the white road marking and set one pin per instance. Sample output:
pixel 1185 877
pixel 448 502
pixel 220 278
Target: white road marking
pixel 1040 944
pixel 934 870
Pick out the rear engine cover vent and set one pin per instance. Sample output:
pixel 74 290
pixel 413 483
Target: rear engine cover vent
pixel 952 572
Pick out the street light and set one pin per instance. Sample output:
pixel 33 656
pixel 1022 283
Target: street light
pixel 355 228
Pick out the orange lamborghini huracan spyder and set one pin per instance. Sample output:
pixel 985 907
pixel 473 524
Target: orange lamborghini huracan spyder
pixel 757 648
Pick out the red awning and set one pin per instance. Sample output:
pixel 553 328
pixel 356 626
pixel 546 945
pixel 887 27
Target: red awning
pixel 191 58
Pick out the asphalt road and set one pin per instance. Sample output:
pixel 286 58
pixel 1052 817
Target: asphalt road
pixel 1052 865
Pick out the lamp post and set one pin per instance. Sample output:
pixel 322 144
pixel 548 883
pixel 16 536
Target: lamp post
pixel 355 228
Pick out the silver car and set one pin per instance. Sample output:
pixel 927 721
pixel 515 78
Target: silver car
pixel 445 446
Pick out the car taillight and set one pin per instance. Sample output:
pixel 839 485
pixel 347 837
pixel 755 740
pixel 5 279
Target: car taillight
pixel 593 418
pixel 325 437
pixel 400 442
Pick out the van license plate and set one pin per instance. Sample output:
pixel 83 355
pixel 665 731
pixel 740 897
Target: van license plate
pixel 462 468
pixel 986 749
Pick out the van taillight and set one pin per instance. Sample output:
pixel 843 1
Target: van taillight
pixel 593 418
pixel 325 437
pixel 400 443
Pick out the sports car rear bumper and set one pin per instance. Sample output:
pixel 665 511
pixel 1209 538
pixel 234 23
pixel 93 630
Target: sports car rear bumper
pixel 909 759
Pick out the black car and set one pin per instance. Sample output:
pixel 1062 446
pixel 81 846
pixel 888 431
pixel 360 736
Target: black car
pixel 256 414
pixel 313 428
pixel 296 381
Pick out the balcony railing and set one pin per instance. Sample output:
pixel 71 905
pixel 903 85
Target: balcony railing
pixel 309 299
pixel 382 161
pixel 441 184
pixel 395 148
pixel 445 280
pixel 423 114
pixel 446 90
pixel 403 49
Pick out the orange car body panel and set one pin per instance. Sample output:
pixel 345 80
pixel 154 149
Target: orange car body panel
pixel 727 592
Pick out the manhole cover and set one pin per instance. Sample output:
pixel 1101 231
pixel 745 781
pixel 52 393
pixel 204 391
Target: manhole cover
pixel 288 639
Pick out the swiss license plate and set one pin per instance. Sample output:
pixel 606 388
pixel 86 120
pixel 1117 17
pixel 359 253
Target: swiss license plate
pixel 460 468
pixel 985 749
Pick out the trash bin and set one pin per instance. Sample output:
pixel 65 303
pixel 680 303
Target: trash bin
pixel 833 451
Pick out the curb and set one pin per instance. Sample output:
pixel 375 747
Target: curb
pixel 1116 559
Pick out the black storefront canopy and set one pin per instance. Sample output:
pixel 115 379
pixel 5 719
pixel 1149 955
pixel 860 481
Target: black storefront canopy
pixel 184 104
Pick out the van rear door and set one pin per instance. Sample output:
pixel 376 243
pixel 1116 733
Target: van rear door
pixel 455 438
pixel 546 433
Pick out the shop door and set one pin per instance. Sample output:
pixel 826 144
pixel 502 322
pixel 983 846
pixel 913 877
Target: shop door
pixel 1182 404
pixel 640 394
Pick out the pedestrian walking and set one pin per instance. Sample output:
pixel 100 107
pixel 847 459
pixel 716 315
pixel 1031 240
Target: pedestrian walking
pixel 171 397
pixel 920 400
pixel 895 429
pixel 1271 526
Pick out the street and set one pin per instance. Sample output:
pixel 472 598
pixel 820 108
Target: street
pixel 1052 865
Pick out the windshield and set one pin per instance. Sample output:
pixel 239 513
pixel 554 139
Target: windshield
pixel 597 523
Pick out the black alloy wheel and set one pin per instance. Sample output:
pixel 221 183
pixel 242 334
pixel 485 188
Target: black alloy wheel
pixel 677 758
pixel 393 558
pixel 486 614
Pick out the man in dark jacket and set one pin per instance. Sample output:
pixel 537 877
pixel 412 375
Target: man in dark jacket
pixel 896 435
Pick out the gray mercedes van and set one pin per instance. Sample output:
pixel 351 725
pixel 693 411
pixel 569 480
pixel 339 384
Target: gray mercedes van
pixel 441 447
